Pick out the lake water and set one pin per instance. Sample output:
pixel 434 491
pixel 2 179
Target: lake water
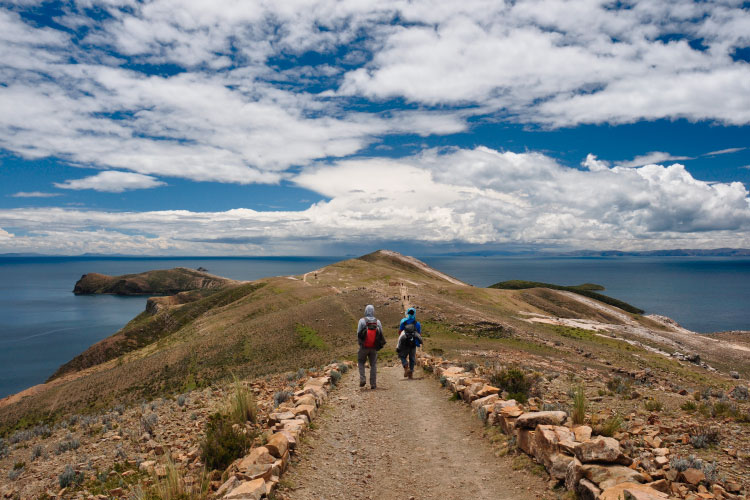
pixel 43 325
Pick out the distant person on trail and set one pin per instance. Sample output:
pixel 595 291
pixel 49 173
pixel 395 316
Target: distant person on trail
pixel 409 338
pixel 371 340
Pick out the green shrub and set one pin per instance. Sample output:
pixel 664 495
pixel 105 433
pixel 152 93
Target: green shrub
pixel 653 405
pixel 335 377
pixel 343 368
pixel 242 407
pixel 222 444
pixel 610 426
pixel 689 406
pixel 173 487
pixel 723 408
pixel 579 406
pixel 514 381
pixel 443 380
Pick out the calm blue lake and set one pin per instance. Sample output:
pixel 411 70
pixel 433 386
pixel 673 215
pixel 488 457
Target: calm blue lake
pixel 43 325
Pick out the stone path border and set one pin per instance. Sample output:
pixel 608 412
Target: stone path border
pixel 595 468
pixel 257 474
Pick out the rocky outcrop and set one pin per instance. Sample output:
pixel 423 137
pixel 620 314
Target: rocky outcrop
pixel 159 282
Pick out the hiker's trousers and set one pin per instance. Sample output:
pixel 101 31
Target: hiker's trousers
pixel 363 355
pixel 412 354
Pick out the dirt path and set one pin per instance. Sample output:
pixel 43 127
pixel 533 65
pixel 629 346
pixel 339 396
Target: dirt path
pixel 404 440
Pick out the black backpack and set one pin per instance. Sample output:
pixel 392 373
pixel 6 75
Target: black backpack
pixel 410 329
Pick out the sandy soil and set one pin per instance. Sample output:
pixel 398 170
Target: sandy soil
pixel 404 440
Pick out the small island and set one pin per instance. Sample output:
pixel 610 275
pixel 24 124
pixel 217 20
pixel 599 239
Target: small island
pixel 157 282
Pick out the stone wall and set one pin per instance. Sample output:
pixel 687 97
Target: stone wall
pixel 594 467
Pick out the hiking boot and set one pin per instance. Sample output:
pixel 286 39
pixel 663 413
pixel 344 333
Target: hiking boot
pixel 411 372
pixel 406 372
pixel 362 384
pixel 373 387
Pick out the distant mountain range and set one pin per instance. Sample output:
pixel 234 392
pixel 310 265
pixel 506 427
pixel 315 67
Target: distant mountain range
pixel 681 252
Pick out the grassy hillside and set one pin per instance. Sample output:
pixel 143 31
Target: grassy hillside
pixel 280 324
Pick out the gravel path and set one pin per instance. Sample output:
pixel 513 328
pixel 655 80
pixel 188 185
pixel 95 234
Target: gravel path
pixel 404 440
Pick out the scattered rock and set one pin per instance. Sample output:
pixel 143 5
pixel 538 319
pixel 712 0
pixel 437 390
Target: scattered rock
pixel 532 419
pixel 600 449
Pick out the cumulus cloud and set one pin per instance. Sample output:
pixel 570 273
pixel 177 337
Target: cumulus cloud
pixel 5 235
pixel 219 90
pixel 112 181
pixel 466 196
pixel 34 194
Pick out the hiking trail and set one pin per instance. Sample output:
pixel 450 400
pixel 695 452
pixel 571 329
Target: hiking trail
pixel 405 440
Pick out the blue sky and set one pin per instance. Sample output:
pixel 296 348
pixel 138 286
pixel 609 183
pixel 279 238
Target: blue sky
pixel 172 127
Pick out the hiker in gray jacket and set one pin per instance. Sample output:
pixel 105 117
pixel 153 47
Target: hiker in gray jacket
pixel 371 340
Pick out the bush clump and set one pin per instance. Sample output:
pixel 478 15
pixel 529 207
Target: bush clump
pixel 579 406
pixel 619 385
pixel 610 426
pixel 4 450
pixel 68 444
pixel 21 436
pixel 223 444
pixel 181 400
pixel 740 393
pixel 69 477
pixel 343 368
pixel 36 452
pixel 653 405
pixel 335 377
pixel 242 407
pixel 514 381
pixel 703 436
pixel 281 397
pixel 148 423
pixel 443 380
pixel 710 469
pixel 689 406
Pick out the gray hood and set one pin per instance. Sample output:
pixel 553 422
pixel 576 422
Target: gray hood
pixel 369 311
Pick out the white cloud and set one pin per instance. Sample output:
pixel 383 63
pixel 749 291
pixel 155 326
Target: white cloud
pixel 724 151
pixel 455 196
pixel 112 182
pixel 34 194
pixel 234 113
pixel 654 157
pixel 5 235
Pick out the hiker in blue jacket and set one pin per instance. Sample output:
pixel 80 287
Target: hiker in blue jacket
pixel 409 338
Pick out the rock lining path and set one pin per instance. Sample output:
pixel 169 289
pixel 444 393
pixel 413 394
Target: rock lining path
pixel 404 440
